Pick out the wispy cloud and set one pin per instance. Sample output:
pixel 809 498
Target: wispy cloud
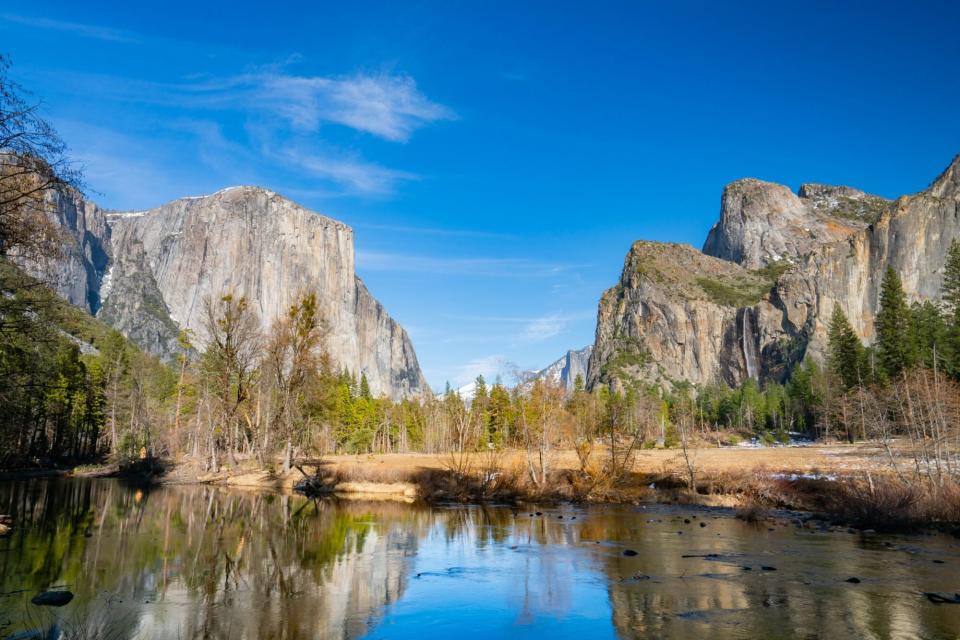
pixel 76 28
pixel 490 367
pixel 354 174
pixel 439 231
pixel 444 265
pixel 285 119
pixel 544 328
pixel 387 106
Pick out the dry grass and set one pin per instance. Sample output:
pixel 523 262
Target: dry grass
pixel 885 503
pixel 752 480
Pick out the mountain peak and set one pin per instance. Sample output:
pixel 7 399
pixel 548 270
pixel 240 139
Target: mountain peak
pixel 947 184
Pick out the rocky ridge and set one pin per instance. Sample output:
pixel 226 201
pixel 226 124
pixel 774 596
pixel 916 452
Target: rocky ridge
pixel 564 371
pixel 758 298
pixel 149 273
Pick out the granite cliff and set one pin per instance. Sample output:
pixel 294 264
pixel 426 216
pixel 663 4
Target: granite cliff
pixel 148 273
pixel 564 371
pixel 758 298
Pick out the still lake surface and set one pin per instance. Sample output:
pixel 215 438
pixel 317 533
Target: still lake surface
pixel 206 562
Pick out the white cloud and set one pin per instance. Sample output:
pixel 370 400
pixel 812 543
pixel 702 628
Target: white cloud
pixel 76 28
pixel 444 265
pixel 356 175
pixel 438 231
pixel 386 106
pixel 285 116
pixel 544 328
pixel 488 366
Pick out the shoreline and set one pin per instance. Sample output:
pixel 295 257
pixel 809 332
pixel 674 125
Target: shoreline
pixel 752 481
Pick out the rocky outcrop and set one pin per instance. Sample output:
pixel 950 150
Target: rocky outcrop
pixel 762 223
pixel 678 314
pixel 150 273
pixel 76 272
pixel 759 296
pixel 564 371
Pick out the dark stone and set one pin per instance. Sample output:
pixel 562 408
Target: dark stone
pixel 52 598
pixel 937 598
pixel 686 521
pixel 766 568
pixel 703 524
pixel 745 568
pixel 938 562
pixel 539 513
pixel 629 552
pixel 853 580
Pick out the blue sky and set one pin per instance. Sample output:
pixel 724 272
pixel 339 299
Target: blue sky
pixel 496 159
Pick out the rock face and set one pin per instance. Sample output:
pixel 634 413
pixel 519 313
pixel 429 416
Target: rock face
pixel 564 371
pixel 85 251
pixel 149 273
pixel 759 296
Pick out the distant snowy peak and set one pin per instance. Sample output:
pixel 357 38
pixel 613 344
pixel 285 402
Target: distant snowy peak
pixel 565 370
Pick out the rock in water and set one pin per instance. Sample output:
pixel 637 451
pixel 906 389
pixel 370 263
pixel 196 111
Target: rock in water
pixel 52 598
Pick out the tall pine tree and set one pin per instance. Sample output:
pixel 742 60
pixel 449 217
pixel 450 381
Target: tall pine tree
pixel 845 353
pixel 894 343
pixel 950 294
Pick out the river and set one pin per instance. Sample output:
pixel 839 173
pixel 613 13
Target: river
pixel 207 562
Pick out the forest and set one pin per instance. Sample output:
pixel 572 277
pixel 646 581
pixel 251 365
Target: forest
pixel 74 390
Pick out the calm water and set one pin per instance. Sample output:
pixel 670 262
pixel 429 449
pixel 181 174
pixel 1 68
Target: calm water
pixel 202 562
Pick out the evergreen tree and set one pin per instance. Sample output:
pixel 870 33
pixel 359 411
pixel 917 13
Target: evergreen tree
pixel 578 383
pixel 929 332
pixel 365 387
pixel 950 293
pixel 844 351
pixel 894 343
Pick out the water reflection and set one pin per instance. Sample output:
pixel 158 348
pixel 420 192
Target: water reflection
pixel 202 562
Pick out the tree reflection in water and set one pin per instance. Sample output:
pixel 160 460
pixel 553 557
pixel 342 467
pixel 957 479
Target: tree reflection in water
pixel 203 562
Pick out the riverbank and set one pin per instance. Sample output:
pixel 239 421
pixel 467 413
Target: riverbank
pixel 665 469
pixel 849 483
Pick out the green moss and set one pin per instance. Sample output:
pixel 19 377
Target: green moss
pixel 734 293
pixel 773 271
pixel 868 210
pixel 630 353
pixel 745 290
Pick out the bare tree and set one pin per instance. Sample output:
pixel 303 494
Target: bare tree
pixel 33 163
pixel 293 355
pixel 230 362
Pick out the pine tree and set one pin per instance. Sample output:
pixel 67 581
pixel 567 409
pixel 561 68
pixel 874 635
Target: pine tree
pixel 578 384
pixel 929 332
pixel 950 293
pixel 894 343
pixel 844 350
pixel 365 387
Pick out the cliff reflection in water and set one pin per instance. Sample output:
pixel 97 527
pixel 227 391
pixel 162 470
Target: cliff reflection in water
pixel 202 562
